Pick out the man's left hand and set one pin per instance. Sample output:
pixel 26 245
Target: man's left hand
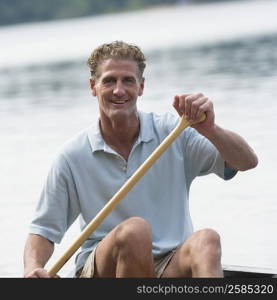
pixel 192 106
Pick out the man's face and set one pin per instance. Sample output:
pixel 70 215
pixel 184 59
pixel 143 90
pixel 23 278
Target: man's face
pixel 117 87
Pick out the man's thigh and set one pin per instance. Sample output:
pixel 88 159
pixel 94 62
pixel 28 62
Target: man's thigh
pixel 181 261
pixel 105 256
pixel 190 251
pixel 103 265
pixel 106 253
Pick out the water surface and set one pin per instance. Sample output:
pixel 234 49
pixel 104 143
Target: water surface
pixel 42 104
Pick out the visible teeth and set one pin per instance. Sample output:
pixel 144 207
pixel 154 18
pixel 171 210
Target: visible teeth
pixel 118 102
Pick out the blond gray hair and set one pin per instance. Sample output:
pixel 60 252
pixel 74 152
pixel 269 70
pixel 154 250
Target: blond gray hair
pixel 117 50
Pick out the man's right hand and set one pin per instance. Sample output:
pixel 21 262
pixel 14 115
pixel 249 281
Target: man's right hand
pixel 37 252
pixel 39 273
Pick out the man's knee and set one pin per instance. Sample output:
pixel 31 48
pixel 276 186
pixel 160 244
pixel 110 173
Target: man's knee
pixel 207 244
pixel 132 233
pixel 209 237
pixel 201 254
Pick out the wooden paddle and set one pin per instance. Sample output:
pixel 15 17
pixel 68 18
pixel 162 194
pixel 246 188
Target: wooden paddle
pixel 98 219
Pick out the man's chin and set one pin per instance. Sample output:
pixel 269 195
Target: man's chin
pixel 121 113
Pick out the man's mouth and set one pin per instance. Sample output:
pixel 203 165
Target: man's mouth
pixel 118 102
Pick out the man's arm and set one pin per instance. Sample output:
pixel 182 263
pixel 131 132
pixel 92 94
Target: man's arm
pixel 37 252
pixel 233 148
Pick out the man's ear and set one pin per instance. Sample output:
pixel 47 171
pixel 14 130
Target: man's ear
pixel 141 86
pixel 92 86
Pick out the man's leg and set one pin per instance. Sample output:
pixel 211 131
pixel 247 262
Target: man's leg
pixel 126 251
pixel 198 256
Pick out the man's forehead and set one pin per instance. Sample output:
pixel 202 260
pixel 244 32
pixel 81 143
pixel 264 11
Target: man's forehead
pixel 115 64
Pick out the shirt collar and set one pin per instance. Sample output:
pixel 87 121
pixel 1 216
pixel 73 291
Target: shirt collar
pixel 146 133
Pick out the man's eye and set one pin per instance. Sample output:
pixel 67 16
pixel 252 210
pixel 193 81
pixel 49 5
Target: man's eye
pixel 129 80
pixel 108 80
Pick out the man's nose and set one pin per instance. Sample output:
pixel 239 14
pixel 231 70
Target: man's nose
pixel 119 89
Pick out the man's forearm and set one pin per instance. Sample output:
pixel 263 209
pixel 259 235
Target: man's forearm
pixel 37 252
pixel 233 148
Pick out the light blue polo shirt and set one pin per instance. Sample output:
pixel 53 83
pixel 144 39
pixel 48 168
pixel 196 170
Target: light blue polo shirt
pixel 87 173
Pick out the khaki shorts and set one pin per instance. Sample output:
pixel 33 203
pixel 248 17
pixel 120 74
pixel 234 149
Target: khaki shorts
pixel 160 264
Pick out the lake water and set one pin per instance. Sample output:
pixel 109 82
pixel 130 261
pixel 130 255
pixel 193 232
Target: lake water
pixel 227 51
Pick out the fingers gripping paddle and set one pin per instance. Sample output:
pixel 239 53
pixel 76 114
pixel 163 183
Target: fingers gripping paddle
pixel 98 219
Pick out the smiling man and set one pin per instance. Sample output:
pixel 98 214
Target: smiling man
pixel 150 233
pixel 117 84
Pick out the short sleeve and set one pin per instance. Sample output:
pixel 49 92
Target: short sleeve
pixel 58 206
pixel 202 157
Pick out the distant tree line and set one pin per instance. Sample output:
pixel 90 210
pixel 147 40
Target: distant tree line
pixel 19 11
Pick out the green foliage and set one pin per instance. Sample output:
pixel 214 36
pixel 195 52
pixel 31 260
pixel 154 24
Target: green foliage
pixel 18 11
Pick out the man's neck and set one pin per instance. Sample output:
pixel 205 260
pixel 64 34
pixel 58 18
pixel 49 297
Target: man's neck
pixel 120 134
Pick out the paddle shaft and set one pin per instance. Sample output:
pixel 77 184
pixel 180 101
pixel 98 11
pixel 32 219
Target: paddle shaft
pixel 98 219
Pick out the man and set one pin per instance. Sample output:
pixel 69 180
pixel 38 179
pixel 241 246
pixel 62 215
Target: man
pixel 149 234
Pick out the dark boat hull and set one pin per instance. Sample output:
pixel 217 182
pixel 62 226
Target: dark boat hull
pixel 232 271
